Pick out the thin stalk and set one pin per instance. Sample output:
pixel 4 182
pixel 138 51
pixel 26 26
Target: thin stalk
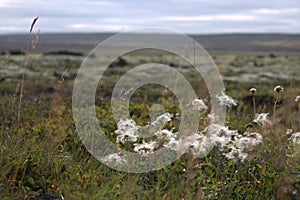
pixel 274 110
pixel 299 114
pixel 24 67
pixel 254 105
pixel 22 82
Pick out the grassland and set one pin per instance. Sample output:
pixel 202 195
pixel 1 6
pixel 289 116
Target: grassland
pixel 42 155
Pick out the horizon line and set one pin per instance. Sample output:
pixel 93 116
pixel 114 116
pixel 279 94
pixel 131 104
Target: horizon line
pixel 114 33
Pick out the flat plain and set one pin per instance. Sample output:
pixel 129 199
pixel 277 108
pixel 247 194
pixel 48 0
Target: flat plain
pixel 43 157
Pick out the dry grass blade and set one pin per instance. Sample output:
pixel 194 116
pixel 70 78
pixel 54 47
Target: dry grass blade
pixel 24 67
pixel 61 81
pixel 16 92
pixel 33 23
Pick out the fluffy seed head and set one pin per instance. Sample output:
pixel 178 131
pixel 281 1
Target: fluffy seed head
pixel 261 118
pixel 297 99
pixel 278 89
pixel 295 138
pixel 289 131
pixel 197 104
pixel 225 100
pixel 252 91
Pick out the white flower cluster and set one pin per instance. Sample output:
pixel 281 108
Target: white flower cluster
pixel 161 120
pixel 294 141
pixel 196 144
pixel 197 104
pixel 228 141
pixel 165 134
pixel 294 137
pixel 261 119
pixel 233 145
pixel 242 144
pixel 225 100
pixel 145 147
pixel 127 131
pixel 115 159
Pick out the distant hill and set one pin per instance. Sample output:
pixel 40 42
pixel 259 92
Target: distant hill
pixel 222 42
pixel 251 42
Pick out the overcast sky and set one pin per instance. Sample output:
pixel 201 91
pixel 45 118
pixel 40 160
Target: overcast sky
pixel 189 16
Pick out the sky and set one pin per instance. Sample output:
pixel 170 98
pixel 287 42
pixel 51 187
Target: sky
pixel 189 16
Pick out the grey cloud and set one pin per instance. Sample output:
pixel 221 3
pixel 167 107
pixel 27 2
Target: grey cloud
pixel 191 16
